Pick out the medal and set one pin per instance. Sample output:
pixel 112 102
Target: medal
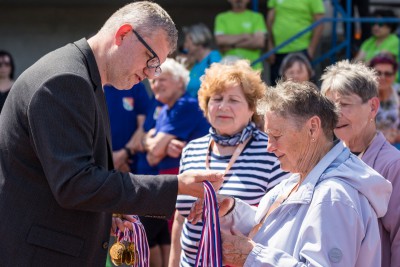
pixel 131 246
pixel 130 254
pixel 116 253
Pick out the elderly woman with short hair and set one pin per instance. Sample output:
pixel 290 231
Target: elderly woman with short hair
pixel 228 98
pixel 354 87
pixel 325 214
pixel 388 117
pixel 198 46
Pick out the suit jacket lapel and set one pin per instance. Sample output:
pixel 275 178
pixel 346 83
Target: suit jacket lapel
pixel 84 47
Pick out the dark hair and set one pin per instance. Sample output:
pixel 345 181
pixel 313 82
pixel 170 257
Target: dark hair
pixel 384 58
pixel 290 59
pixel 4 53
pixel 386 13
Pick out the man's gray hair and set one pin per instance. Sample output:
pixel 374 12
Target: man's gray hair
pixel 147 18
pixel 348 78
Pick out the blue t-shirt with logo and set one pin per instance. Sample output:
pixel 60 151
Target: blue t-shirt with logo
pixel 123 108
pixel 184 120
pixel 153 111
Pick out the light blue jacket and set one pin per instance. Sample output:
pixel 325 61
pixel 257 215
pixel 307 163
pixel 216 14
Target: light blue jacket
pixel 330 221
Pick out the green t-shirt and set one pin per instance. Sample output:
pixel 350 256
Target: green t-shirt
pixel 239 23
pixel 390 44
pixel 291 17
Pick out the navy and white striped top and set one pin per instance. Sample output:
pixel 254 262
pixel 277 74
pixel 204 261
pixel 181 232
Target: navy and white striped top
pixel 252 175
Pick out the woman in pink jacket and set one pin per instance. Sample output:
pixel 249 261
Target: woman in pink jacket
pixel 354 87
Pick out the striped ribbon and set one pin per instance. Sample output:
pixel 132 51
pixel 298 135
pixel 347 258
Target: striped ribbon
pixel 142 246
pixel 209 253
pixel 139 238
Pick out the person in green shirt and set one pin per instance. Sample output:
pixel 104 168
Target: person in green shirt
pixel 240 32
pixel 286 18
pixel 383 38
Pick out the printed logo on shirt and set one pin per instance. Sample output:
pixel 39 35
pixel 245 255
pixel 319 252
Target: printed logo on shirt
pixel 157 112
pixel 128 103
pixel 246 25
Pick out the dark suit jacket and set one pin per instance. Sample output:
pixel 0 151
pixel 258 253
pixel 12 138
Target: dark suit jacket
pixel 57 186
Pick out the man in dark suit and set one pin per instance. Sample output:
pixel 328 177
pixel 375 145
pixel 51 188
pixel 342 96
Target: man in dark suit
pixel 58 188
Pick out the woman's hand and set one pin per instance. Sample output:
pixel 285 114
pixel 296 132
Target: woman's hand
pixel 225 204
pixel 236 248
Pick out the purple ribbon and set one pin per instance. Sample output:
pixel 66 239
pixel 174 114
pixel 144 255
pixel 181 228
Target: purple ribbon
pixel 142 246
pixel 210 247
pixel 139 238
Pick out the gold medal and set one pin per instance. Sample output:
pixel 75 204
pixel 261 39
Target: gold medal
pixel 116 253
pixel 130 254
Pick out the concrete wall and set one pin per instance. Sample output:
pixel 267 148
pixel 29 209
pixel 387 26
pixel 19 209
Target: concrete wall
pixel 30 31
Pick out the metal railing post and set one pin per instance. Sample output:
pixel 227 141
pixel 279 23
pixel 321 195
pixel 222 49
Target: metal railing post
pixel 348 28
pixel 254 5
pixel 334 30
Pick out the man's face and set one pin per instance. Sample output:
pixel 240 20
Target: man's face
pixel 128 63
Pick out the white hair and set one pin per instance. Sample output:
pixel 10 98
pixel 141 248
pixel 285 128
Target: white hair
pixel 176 69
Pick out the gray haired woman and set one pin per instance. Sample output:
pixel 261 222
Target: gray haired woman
pixel 325 213
pixel 354 88
pixel 198 46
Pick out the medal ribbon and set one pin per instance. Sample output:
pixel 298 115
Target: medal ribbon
pixel 239 149
pixel 139 238
pixel 210 246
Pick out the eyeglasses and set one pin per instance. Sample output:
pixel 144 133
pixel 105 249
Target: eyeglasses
pixel 384 73
pixel 154 62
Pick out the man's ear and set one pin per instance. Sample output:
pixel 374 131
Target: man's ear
pixel 121 33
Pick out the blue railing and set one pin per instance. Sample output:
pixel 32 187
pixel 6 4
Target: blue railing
pixel 347 19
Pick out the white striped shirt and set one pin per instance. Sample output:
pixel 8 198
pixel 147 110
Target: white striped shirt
pixel 253 174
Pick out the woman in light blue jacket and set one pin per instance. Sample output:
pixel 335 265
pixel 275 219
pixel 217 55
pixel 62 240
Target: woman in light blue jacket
pixel 326 213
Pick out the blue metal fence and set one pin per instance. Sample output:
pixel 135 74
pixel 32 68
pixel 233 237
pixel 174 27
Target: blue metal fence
pixel 346 18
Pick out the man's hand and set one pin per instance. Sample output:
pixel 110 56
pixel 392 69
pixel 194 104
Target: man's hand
pixel 121 221
pixel 175 148
pixel 137 144
pixel 120 158
pixel 190 182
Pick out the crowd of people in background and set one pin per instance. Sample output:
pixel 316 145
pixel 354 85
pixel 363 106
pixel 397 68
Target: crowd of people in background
pixel 201 110
pixel 241 34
